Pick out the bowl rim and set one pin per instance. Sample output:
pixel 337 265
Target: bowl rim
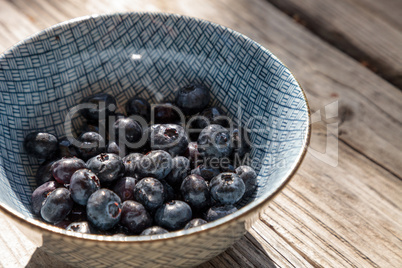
pixel 249 208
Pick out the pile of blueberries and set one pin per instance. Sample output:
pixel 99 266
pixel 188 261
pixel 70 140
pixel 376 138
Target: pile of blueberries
pixel 170 180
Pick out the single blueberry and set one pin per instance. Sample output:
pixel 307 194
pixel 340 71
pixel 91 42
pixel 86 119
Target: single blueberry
pixel 105 106
pixel 104 209
pixel 108 167
pixel 150 192
pixel 227 188
pixel 138 106
pixel 80 227
pixel 45 172
pixel 127 131
pixel 169 137
pixel 195 192
pixel 218 212
pixel 180 170
pixel 135 217
pixel 214 141
pixel 195 223
pixel 205 171
pixel 92 144
pixel 64 168
pixel 154 230
pixel 192 98
pixel 157 164
pixel 40 194
pixel 124 188
pixel 249 177
pixel 173 215
pixel 57 205
pixel 82 184
pixel 131 163
pixel 41 145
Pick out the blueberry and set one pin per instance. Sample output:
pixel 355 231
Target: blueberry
pixel 169 137
pixel 131 163
pixel 192 152
pixel 80 227
pixel 138 106
pixel 104 209
pixel 195 192
pixel 64 168
pixel 249 177
pixel 157 164
pixel 40 194
pixel 82 184
pixel 227 188
pixel 41 145
pixel 173 215
pixel 108 167
pixel 44 172
pixel 67 149
pixel 135 217
pixel 214 141
pixel 154 230
pixel 105 104
pixel 180 170
pixel 166 113
pixel 57 205
pixel 124 188
pixel 218 212
pixel 127 131
pixel 240 142
pixel 150 192
pixel 212 115
pixel 195 223
pixel 92 144
pixel 206 172
pixel 192 98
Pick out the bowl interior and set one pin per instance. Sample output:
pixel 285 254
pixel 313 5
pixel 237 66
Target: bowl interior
pixel 149 55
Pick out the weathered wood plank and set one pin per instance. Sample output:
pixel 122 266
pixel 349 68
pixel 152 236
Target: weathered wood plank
pixel 355 30
pixel 388 10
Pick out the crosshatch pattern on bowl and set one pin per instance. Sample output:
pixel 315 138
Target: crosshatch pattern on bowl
pixel 150 55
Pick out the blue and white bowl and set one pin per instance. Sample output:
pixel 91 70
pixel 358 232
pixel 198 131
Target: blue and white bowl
pixel 151 55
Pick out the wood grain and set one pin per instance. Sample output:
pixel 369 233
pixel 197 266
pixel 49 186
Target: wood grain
pixel 354 27
pixel 344 214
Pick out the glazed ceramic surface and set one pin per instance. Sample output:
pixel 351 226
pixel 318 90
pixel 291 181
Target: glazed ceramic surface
pixel 150 55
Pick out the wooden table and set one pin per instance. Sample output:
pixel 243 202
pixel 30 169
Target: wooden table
pixel 343 207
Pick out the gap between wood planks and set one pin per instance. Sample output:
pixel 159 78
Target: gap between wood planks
pixel 359 28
